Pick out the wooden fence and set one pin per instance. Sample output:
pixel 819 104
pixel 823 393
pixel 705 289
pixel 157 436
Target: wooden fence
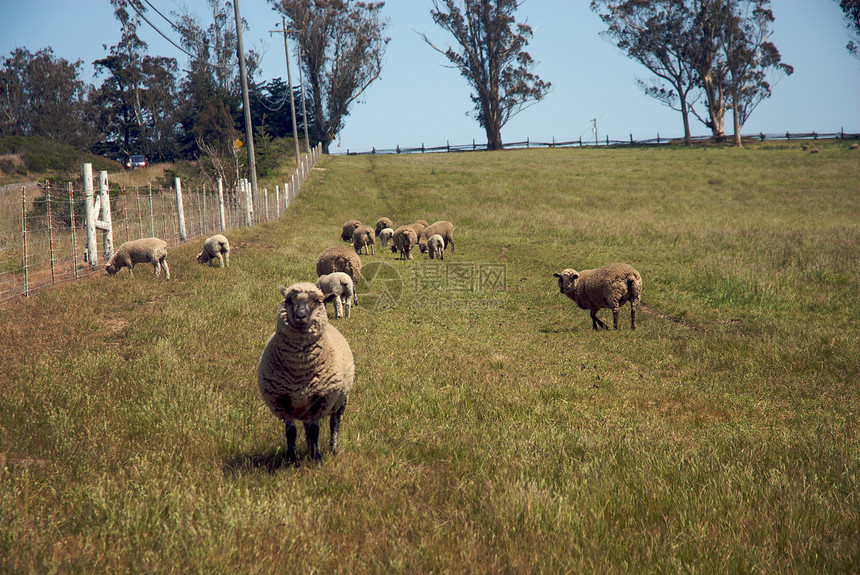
pixel 43 227
pixel 605 141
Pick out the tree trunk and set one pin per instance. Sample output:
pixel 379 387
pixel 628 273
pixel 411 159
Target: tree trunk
pixel 494 139
pixel 688 140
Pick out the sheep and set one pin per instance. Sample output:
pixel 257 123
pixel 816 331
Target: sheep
pixel 340 284
pixel 418 226
pixel 436 245
pixel 854 147
pixel 363 237
pixel 152 250
pixel 404 240
pixel 215 247
pixel 349 227
pixel 340 259
pixel 443 228
pixel 384 236
pixel 607 287
pixel 383 223
pixel 306 370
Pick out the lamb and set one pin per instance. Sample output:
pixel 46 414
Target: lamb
pixel 340 284
pixel 152 250
pixel 306 370
pixel 384 236
pixel 383 223
pixel 404 240
pixel 363 237
pixel 443 228
pixel 607 287
pixel 436 245
pixel 340 259
pixel 215 247
pixel 349 227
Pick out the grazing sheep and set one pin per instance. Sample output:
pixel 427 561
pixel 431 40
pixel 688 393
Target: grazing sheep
pixel 215 247
pixel 403 241
pixel 349 227
pixel 383 223
pixel 363 237
pixel 418 226
pixel 814 151
pixel 152 250
pixel 306 370
pixel 854 146
pixel 340 284
pixel 436 245
pixel 607 287
pixel 443 228
pixel 340 259
pixel 384 236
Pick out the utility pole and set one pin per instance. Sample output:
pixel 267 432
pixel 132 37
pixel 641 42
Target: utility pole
pixel 304 109
pixel 249 130
pixel 596 141
pixel 292 98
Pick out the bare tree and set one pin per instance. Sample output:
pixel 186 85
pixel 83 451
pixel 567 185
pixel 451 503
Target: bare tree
pixel 341 46
pixel 491 56
pixel 657 35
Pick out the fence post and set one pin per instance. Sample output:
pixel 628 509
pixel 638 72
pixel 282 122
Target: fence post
pixel 180 213
pixel 151 214
pixel 221 204
pixel 249 209
pixel 90 255
pixel 106 223
pixel 277 201
pixel 24 240
pixel 50 229
pixel 139 216
pixel 72 223
pixel 266 199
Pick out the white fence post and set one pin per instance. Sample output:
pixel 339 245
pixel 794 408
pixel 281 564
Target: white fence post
pixel 221 204
pixel 91 254
pixel 180 214
pixel 105 224
pixel 277 201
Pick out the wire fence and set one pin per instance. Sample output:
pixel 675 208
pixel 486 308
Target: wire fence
pixel 43 228
pixel 604 141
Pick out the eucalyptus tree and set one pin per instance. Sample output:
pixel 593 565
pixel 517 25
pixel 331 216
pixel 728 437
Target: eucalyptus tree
pixel 137 99
pixel 851 8
pixel 43 95
pixel 341 47
pixel 657 35
pixel 491 55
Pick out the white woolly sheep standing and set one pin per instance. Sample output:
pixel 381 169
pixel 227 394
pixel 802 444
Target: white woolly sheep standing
pixel 383 223
pixel 340 259
pixel 339 284
pixel 608 287
pixel 384 236
pixel 348 227
pixel 306 370
pixel 363 237
pixel 436 247
pixel 129 254
pixel 404 240
pixel 443 228
pixel 216 246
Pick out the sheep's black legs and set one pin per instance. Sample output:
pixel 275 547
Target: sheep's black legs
pixel 312 434
pixel 291 442
pixel 334 427
pixel 595 321
pixel 632 316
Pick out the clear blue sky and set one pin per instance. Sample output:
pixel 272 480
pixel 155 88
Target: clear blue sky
pixel 418 99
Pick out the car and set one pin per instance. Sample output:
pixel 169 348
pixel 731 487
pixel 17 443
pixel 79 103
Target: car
pixel 136 161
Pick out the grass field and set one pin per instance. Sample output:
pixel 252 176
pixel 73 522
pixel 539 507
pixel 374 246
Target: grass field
pixel 490 429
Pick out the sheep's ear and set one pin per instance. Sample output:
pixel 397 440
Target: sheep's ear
pixel 283 290
pixel 556 275
pixel 330 296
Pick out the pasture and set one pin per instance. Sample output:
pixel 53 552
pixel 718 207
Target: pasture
pixel 490 429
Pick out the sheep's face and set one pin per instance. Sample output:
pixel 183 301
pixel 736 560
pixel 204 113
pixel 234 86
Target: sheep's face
pixel 566 280
pixel 111 268
pixel 202 257
pixel 304 307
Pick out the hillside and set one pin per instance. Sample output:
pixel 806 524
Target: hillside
pixel 490 429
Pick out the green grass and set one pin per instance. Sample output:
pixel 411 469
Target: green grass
pixel 489 431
